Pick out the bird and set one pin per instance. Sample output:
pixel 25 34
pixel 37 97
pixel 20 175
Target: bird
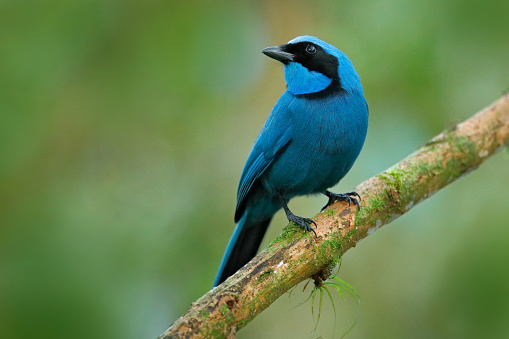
pixel 309 142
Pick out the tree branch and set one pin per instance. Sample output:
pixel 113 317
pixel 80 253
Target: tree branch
pixel 295 255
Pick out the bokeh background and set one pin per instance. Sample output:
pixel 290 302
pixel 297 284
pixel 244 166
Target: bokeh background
pixel 124 127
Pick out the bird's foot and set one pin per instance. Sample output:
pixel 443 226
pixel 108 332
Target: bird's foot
pixel 349 196
pixel 304 223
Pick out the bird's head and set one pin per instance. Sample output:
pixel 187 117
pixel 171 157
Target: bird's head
pixel 312 66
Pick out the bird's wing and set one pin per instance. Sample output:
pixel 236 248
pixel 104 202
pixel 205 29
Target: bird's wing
pixel 263 154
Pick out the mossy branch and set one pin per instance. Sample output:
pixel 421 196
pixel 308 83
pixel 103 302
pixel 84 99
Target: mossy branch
pixel 295 255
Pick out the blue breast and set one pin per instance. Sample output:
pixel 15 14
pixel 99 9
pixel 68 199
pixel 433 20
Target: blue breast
pixel 327 135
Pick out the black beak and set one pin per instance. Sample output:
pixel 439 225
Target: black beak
pixel 277 53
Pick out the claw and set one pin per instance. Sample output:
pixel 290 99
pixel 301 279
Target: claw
pixel 333 197
pixel 354 193
pixel 304 223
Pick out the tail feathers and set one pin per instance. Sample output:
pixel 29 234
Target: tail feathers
pixel 242 247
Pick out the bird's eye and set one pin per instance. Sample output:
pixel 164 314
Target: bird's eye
pixel 311 49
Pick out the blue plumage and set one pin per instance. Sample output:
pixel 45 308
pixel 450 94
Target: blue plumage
pixel 309 142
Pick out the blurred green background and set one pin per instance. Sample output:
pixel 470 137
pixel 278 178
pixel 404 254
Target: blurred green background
pixel 124 127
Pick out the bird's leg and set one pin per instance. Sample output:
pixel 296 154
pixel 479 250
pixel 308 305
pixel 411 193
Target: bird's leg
pixel 349 196
pixel 304 223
